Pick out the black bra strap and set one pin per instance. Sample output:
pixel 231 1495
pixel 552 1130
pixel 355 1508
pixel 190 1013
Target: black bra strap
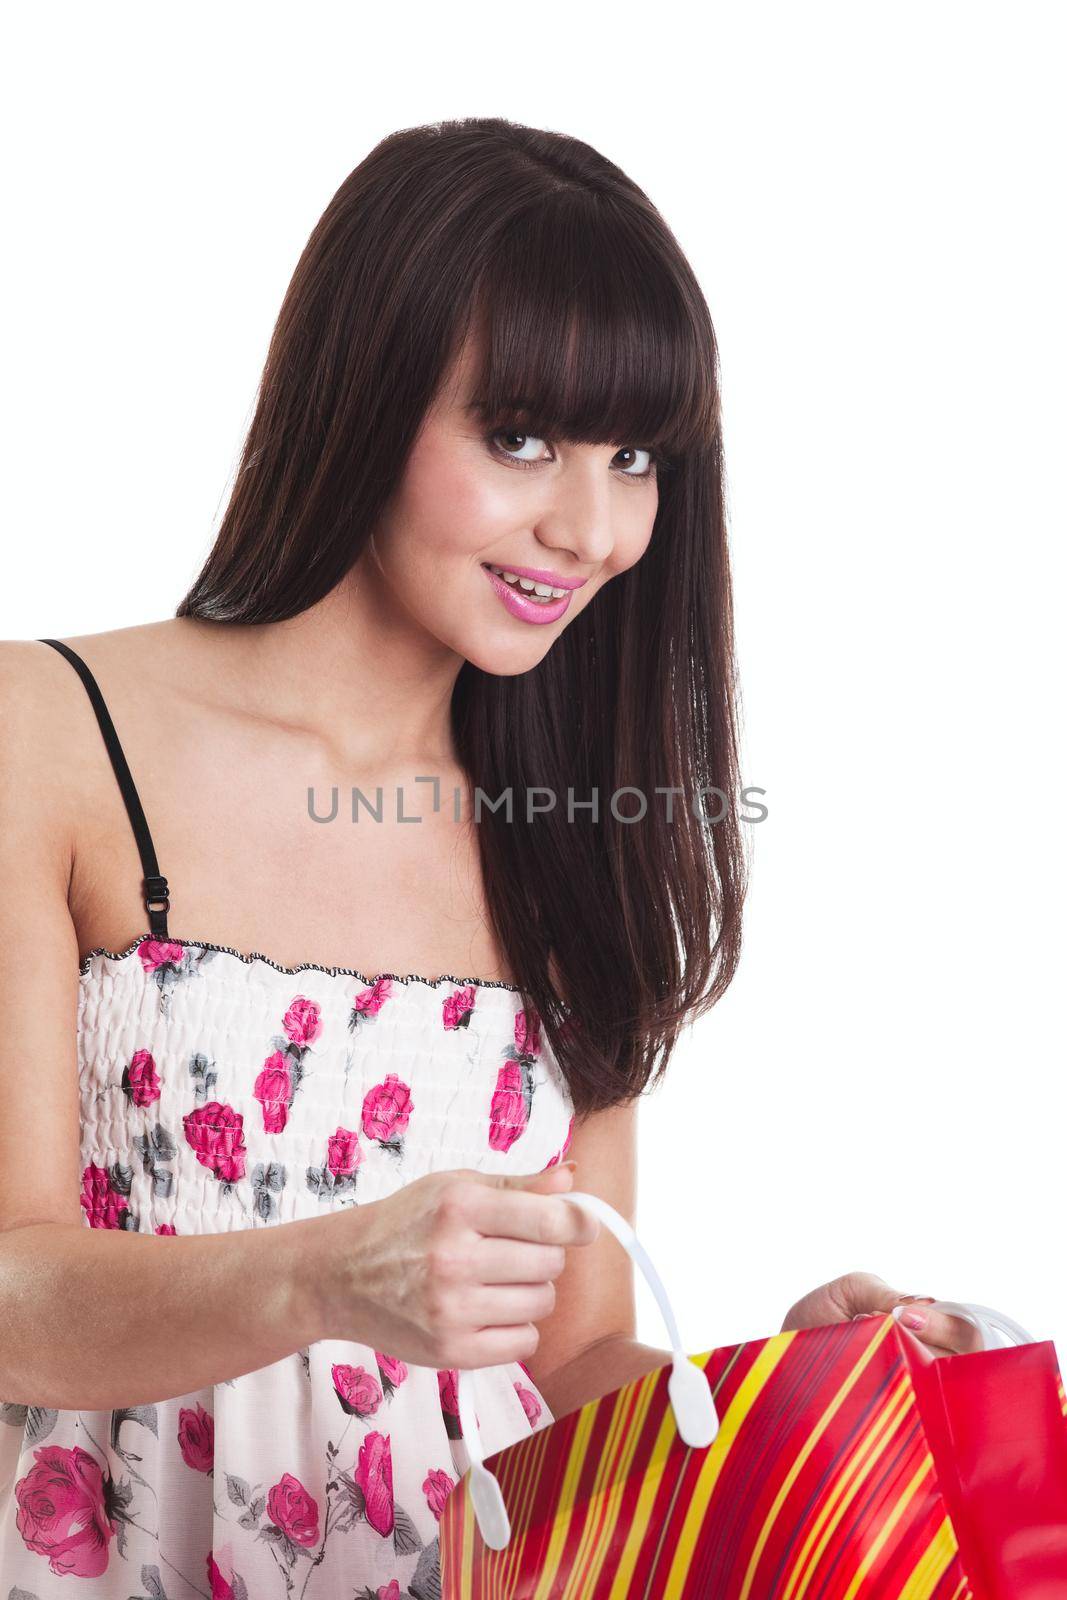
pixel 154 887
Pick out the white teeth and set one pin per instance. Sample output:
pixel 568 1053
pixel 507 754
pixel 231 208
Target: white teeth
pixel 543 591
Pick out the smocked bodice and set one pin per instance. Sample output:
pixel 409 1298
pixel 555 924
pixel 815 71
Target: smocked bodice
pixel 223 1091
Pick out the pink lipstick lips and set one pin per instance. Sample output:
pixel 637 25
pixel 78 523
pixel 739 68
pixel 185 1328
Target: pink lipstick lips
pixel 521 605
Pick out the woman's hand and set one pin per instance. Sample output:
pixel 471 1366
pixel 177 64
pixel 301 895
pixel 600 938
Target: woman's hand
pixel 454 1269
pixel 862 1294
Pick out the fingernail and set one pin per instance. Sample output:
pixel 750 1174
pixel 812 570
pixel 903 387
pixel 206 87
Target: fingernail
pixel 914 1319
pixel 572 1164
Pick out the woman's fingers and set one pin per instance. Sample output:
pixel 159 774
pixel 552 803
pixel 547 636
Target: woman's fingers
pixel 941 1332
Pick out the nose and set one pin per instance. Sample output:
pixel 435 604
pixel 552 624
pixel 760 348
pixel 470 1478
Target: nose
pixel 576 518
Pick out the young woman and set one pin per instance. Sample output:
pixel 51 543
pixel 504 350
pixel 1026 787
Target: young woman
pixel 349 908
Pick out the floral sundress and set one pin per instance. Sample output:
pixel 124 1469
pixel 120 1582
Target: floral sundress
pixel 222 1091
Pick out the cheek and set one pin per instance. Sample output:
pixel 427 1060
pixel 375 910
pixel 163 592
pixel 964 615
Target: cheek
pixel 453 505
pixel 633 537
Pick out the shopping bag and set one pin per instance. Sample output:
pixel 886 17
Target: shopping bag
pixel 996 1423
pixel 831 1464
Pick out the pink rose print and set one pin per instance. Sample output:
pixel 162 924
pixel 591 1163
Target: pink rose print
pixel 302 1022
pixel 527 1033
pixel 216 1133
pixel 293 1510
pixel 360 1394
pixel 343 1153
pixel 63 1511
pixel 220 1574
pixel 446 1385
pixel 169 964
pixel 274 1091
pixel 166 1227
pixel 196 1437
pixel 369 1002
pixel 156 953
pixel 386 1109
pixel 280 1076
pixel 338 1176
pixel 389 1591
pixel 457 1008
pixel 393 1372
pixel 509 1109
pixel 374 1475
pixel 437 1486
pixel 104 1196
pixel 140 1079
pixel 530 1403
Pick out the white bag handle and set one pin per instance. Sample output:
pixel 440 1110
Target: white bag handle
pixel 982 1317
pixel 688 1385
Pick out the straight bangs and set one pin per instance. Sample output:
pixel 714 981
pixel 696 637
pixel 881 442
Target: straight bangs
pixel 588 335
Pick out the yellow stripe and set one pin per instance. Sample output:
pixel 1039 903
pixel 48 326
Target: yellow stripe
pixel 612 1475
pixel 865 1456
pixel 611 1482
pixel 524 1491
pixel 887 1528
pixel 468 1538
pixel 565 1506
pixel 754 1381
pixel 627 1559
pixel 932 1565
pixel 813 1438
pixel 566 1509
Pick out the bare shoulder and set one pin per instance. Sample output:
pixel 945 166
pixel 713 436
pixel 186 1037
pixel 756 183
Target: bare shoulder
pixel 32 667
pixel 38 685
pixel 48 729
pixel 36 725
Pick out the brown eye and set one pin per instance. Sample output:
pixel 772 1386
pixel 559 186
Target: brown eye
pixel 647 469
pixel 520 439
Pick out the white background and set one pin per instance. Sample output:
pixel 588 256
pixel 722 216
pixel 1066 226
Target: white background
pixel 872 200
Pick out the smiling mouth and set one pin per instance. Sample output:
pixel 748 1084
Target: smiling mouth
pixel 543 592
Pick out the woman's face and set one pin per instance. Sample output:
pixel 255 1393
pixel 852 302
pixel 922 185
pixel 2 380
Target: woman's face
pixel 573 515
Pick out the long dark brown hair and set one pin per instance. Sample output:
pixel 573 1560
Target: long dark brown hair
pixel 592 321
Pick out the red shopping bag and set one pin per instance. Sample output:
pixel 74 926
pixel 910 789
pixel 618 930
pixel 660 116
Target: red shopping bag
pixel 996 1421
pixel 840 1463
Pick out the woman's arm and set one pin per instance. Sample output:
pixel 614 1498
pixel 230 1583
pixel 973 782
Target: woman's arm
pixel 97 1317
pixel 607 1365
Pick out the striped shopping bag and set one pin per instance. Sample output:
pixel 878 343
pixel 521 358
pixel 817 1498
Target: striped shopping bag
pixel 835 1463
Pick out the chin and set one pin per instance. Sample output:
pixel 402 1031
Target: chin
pixel 502 662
